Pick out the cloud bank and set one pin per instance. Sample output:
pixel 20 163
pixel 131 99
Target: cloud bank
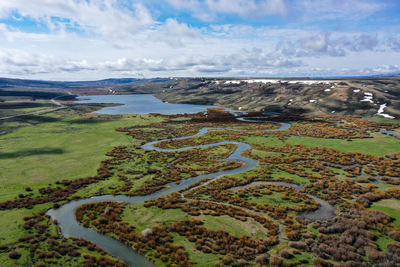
pixel 92 39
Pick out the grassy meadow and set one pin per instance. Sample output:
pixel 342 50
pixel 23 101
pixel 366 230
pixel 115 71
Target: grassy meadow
pixel 71 148
pixel 66 144
pixel 379 145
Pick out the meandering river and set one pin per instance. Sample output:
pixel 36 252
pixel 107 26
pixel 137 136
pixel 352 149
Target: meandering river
pixel 71 228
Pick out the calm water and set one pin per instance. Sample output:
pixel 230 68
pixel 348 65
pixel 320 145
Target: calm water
pixel 139 104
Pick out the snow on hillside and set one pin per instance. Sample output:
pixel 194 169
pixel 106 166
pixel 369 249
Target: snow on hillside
pixel 274 81
pixel 368 98
pixel 381 110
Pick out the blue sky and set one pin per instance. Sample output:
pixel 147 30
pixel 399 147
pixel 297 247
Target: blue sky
pixel 95 39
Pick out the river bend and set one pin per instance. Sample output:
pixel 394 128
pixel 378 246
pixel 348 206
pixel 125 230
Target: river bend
pixel 71 228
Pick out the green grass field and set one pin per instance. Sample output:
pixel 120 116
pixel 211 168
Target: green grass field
pixel 390 207
pixel 143 218
pixel 382 240
pixel 12 222
pixel 295 178
pixel 379 145
pixel 234 226
pixel 71 148
pixel 202 259
pixel 68 147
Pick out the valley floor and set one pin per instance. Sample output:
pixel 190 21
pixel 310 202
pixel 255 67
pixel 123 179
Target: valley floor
pixel 257 217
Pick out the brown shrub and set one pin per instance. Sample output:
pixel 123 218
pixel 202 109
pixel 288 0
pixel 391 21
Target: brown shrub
pixel 14 255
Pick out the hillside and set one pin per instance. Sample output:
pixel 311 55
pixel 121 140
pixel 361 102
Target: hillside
pixel 357 96
pixel 22 83
pixel 364 96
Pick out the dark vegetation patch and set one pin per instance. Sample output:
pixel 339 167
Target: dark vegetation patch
pixel 32 94
pixel 30 152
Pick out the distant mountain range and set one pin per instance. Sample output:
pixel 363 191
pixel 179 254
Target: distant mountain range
pixel 21 83
pixel 26 83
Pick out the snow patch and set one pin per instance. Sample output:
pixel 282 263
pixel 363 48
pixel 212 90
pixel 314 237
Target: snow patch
pixel 233 82
pixel 327 90
pixel 313 100
pixel 368 98
pixel 309 82
pixel 356 90
pixel 274 81
pixel 262 81
pixel 381 110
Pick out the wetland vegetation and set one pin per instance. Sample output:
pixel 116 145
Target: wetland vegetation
pixel 254 217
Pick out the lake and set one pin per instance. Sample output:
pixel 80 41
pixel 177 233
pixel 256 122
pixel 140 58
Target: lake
pixel 139 104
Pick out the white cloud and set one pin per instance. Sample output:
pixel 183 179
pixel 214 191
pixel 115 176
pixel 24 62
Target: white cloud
pixel 382 69
pixel 319 44
pixel 239 61
pixel 93 39
pixel 17 62
pixel 328 44
pixel 173 27
pixel 174 33
pixel 105 17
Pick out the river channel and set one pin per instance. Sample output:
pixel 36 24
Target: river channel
pixel 71 228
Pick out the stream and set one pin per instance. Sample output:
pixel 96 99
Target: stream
pixel 390 133
pixel 71 228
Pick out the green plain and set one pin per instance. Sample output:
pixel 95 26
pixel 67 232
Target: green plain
pixel 391 207
pixel 379 145
pixel 35 156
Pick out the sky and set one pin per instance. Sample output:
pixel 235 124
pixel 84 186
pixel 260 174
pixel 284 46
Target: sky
pixel 97 39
